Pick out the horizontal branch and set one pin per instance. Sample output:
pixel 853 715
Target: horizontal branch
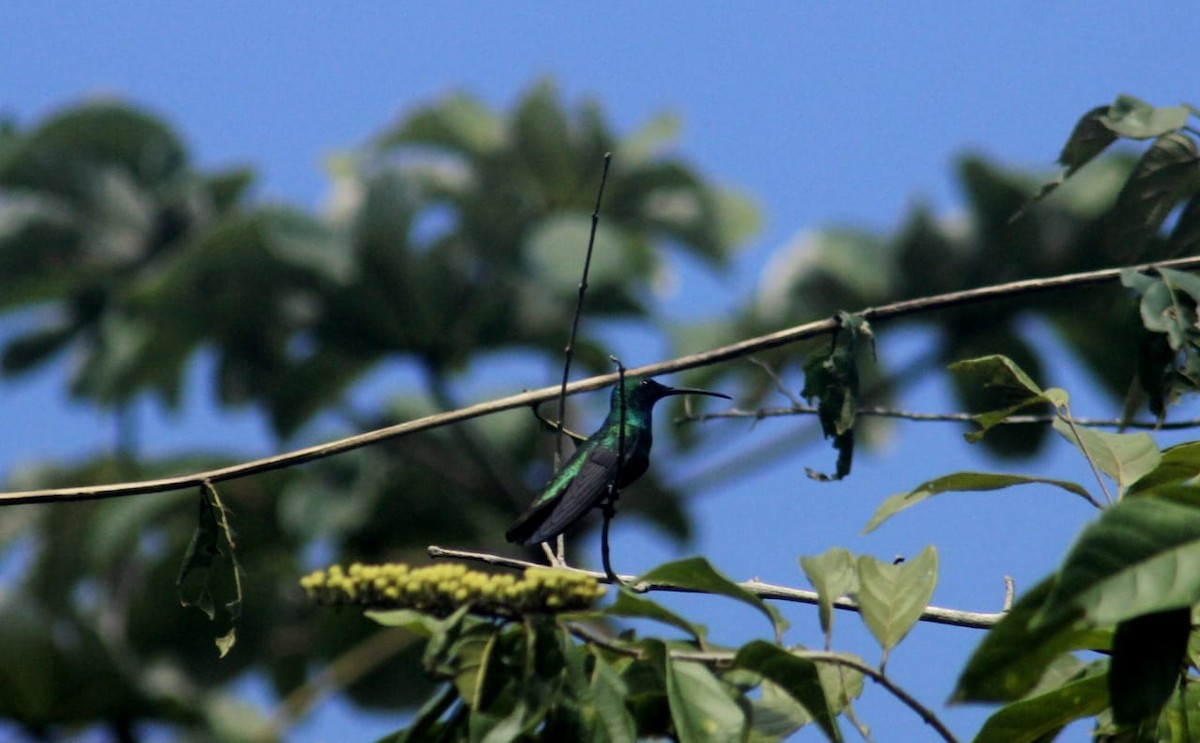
pixel 879 412
pixel 692 361
pixel 932 614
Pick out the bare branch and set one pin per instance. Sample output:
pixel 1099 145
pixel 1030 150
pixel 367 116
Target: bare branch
pixel 931 614
pixel 881 412
pixel 692 361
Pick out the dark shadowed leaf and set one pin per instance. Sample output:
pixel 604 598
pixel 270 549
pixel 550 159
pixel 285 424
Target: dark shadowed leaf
pixel 197 584
pixel 698 574
pixel 630 605
pixel 795 675
pixel 1167 172
pixel 1148 654
pixel 832 378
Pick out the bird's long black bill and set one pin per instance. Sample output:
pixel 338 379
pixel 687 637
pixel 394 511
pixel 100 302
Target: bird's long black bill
pixel 689 391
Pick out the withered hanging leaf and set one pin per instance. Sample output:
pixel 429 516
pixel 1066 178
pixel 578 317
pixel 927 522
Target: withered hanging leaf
pixel 832 378
pixel 197 582
pixel 1167 172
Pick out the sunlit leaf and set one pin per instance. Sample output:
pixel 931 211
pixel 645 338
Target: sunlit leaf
pixel 701 706
pixel 614 724
pixel 1178 464
pixel 1125 457
pixel 1015 654
pixel 892 597
pixel 962 482
pixel 1130 117
pixel 1135 559
pixel 833 575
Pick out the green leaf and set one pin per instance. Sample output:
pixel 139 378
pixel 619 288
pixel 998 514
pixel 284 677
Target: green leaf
pixel 701 706
pixel 613 723
pixel 556 248
pixel 630 605
pixel 1089 138
pixel 458 122
pixel 1136 119
pixel 424 721
pixel 1185 235
pixel 196 582
pixel 892 597
pixel 1148 656
pixel 833 575
pixel 1015 654
pixel 1137 558
pixel 297 239
pixel 1033 719
pixel 1125 457
pixel 999 371
pixel 1178 464
pixel 797 676
pixel 961 482
pixel 697 574
pixel 1166 172
pixel 1004 376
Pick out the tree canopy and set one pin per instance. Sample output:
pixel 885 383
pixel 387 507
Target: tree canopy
pixel 456 235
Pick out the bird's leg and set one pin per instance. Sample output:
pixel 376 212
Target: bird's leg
pixel 609 509
pixel 609 506
pixel 555 558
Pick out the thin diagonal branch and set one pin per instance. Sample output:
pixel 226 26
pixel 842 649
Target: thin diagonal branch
pixel 691 361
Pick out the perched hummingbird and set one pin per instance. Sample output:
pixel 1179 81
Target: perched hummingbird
pixel 583 482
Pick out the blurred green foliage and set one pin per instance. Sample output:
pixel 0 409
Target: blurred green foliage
pixel 455 233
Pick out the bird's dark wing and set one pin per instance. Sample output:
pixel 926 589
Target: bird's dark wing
pixel 583 493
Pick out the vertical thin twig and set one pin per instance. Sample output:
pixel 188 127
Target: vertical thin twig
pixel 609 508
pixel 583 285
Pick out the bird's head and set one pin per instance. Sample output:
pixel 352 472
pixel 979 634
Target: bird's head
pixel 642 392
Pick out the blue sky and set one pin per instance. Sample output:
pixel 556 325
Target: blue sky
pixel 824 113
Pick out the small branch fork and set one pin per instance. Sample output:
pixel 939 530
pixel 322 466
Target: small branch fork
pixel 931 614
pixel 740 349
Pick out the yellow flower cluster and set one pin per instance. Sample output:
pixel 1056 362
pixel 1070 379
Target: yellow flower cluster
pixel 441 589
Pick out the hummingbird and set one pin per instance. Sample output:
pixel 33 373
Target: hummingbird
pixel 584 481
